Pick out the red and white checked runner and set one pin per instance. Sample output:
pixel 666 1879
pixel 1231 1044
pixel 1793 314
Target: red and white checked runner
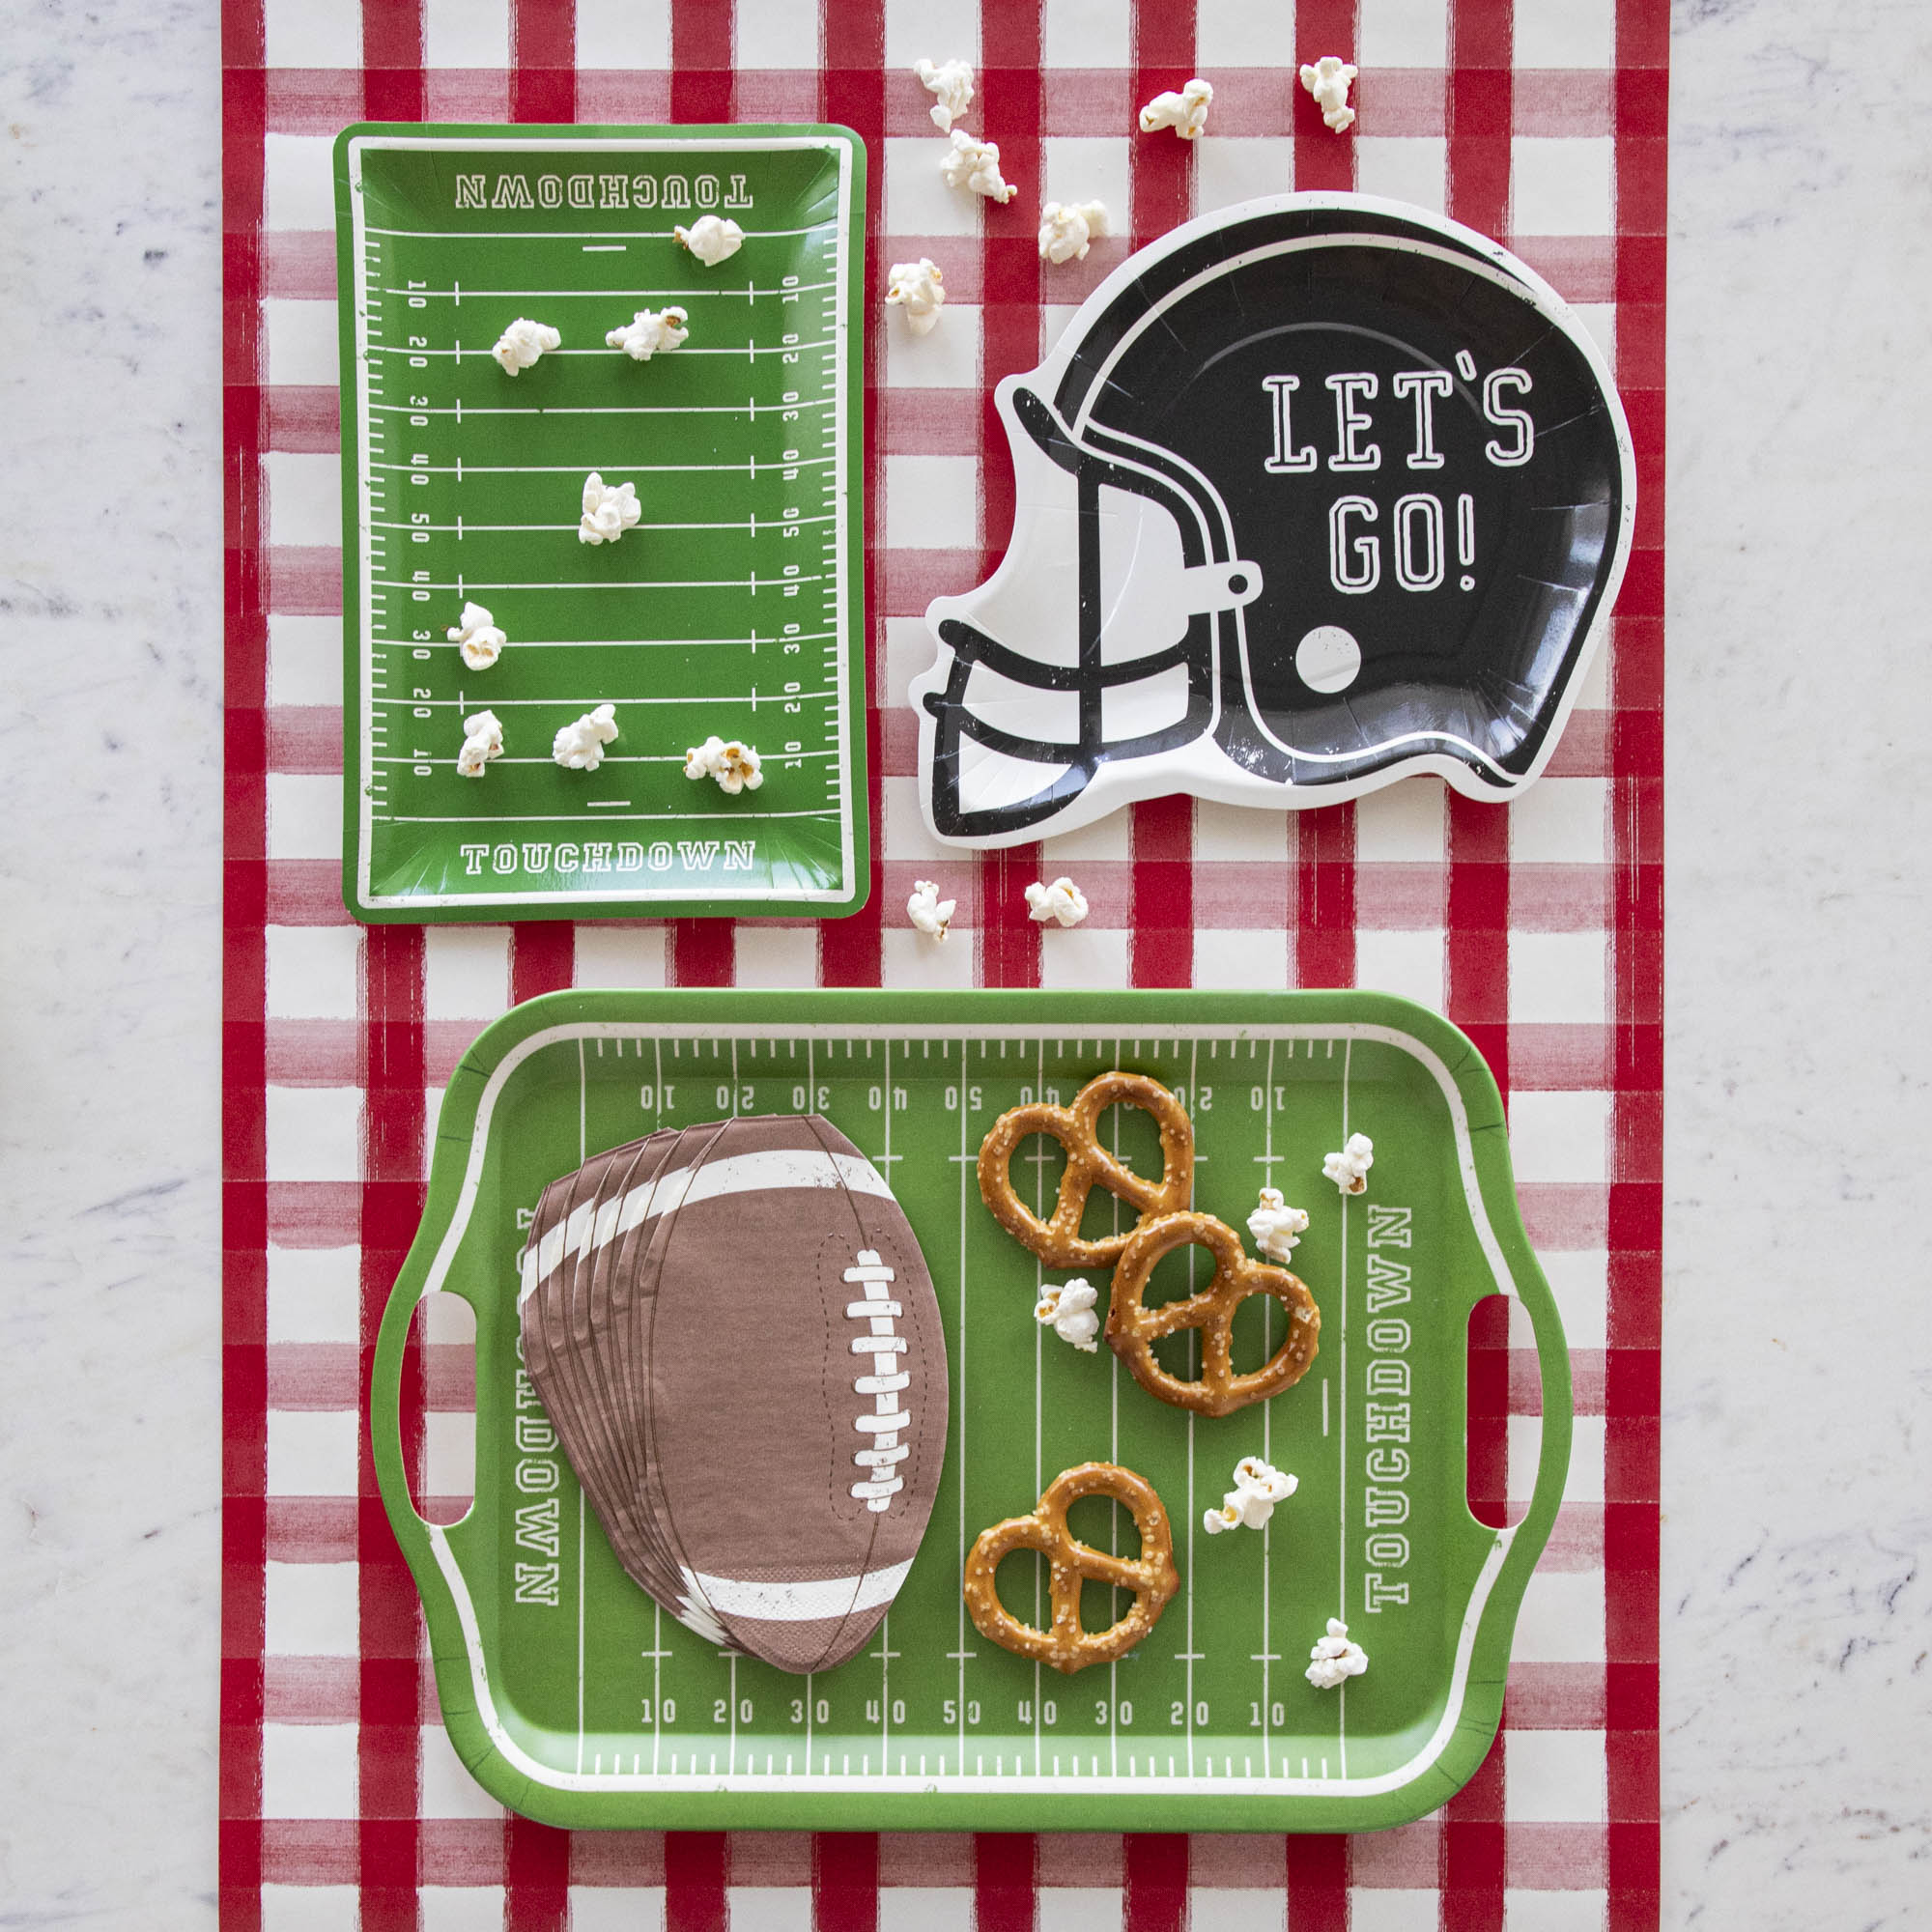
pixel 1537 927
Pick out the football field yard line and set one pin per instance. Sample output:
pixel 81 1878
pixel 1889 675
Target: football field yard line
pixel 579 233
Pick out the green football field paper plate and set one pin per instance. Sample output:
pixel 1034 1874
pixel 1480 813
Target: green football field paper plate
pixel 733 609
pixel 576 1701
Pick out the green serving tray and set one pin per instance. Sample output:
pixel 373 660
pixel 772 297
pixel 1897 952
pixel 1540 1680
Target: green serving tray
pixel 736 604
pixel 574 1700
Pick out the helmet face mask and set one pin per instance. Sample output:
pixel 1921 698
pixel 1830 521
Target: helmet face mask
pixel 1312 493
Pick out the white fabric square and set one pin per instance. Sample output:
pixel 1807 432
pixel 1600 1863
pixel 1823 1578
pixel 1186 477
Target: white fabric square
pixel 1400 33
pixel 314 972
pixel 1236 167
pixel 1393 1909
pixel 1241 960
pixel 1562 1136
pixel 916 30
pixel 1561 185
pixel 297 33
pixel 304 816
pixel 907 839
pixel 1562 1619
pixel 932 502
pixel 771 1908
pixel 636 33
pixel 1098 1908
pixel 312 1453
pixel 1244 34
pixel 1109 837
pixel 1083 167
pixel 1231 1908
pixel 925 1908
pixel 909 650
pixel 466 971
pixel 1580 1281
pixel 1083 955
pixel 449 1452
pixel 913 960
pixel 1561 822
pixel 311 1609
pixel 448 1791
pixel 1584 1483
pixel 1256 836
pixel 304 497
pixel 466 33
pixel 1526 1911
pixel 1556 1777
pixel 629 1907
pixel 315 1133
pixel 306 664
pixel 308 1771
pixel 1558 977
pixel 1406 168
pixel 298 179
pixel 315 1294
pixel 311 1908
pixel 1408 963
pixel 1594 693
pixel 301 341
pixel 1600 324
pixel 918 199
pixel 1403 823
pixel 1086 33
pixel 775 32
pixel 1566 33
pixel 615 956
pixel 1053 320
pixel 947 357
pixel 462 1908
pixel 776 955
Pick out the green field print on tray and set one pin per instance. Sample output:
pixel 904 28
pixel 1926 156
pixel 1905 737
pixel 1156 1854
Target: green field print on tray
pixel 731 608
pixel 575 1699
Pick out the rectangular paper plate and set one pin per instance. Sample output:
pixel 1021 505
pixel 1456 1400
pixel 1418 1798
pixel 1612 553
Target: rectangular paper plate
pixel 576 1701
pixel 734 608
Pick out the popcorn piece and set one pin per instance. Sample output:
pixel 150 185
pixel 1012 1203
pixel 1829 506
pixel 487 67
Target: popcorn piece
pixel 927 911
pixel 975 164
pixel 915 287
pixel 482 741
pixel 1335 1657
pixel 712 239
pixel 1276 1227
pixel 608 513
pixel 519 345
pixel 1258 1486
pixel 1328 80
pixel 647 332
pixel 1069 1311
pixel 952 83
pixel 1185 112
pixel 1062 900
pixel 1066 229
pixel 1348 1170
pixel 733 763
pixel 477 636
pixel 580 747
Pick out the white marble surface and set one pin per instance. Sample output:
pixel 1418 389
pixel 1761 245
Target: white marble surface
pixel 1798 1332
pixel 1797 1360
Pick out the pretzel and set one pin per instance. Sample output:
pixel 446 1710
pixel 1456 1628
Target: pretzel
pixel 1132 1328
pixel 1057 1240
pixel 1150 1575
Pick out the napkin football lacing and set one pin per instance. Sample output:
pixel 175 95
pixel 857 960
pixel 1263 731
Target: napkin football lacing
pixel 887 1420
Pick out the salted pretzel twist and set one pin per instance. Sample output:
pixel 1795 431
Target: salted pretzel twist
pixel 1133 1328
pixel 1057 1240
pixel 1150 1575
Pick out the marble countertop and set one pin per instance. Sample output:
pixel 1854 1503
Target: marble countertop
pixel 1798 1349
